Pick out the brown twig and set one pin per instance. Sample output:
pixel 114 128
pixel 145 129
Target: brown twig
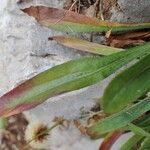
pixel 101 9
pixel 66 12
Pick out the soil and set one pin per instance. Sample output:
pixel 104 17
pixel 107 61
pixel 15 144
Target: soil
pixel 14 136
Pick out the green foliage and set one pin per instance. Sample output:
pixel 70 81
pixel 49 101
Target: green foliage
pixel 131 143
pixel 145 144
pixel 66 77
pixel 120 119
pixel 137 130
pixel 3 123
pixel 127 86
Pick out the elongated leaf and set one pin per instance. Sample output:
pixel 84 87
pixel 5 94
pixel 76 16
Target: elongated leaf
pixel 110 139
pixel 133 35
pixel 63 78
pixel 68 21
pixel 85 45
pixel 145 145
pixel 127 86
pixel 131 142
pixel 137 130
pixel 143 122
pixel 119 120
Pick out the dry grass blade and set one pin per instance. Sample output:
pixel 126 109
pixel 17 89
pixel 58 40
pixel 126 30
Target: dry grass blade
pixel 85 45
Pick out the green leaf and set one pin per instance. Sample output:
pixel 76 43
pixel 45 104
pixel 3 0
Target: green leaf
pixel 131 142
pixel 3 123
pixel 120 119
pixel 138 130
pixel 127 86
pixel 144 121
pixel 69 21
pixel 85 45
pixel 66 77
pixel 145 145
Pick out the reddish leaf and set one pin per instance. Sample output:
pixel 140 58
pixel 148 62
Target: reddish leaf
pixel 69 21
pixel 110 140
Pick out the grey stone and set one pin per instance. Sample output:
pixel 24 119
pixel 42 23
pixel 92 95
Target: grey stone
pixel 132 11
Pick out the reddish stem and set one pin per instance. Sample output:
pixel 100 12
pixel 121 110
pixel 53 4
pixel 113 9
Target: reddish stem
pixel 110 140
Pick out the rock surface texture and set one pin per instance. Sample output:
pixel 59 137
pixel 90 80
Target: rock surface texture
pixel 131 11
pixel 25 52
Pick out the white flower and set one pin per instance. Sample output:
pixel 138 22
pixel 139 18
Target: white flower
pixel 37 135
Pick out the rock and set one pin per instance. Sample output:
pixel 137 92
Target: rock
pixel 131 11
